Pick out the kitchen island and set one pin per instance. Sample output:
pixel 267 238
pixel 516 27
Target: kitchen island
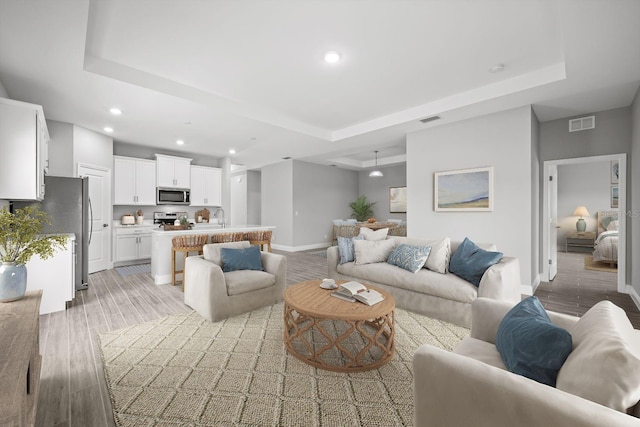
pixel 161 246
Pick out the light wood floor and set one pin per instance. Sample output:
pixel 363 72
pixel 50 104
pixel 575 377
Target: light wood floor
pixel 73 390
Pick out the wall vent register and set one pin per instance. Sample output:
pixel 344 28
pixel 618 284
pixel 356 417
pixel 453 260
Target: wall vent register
pixel 582 123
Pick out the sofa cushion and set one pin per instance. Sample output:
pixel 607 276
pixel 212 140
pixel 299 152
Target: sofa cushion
pixel 604 366
pixel 438 260
pixel 242 281
pixel 411 258
pixel 241 259
pixel 470 262
pixel 480 350
pixel 345 248
pixel 211 251
pixel 367 252
pixel 447 286
pixel 530 344
pixel 372 235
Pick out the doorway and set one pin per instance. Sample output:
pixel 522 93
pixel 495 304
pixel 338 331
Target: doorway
pixel 99 215
pixel 550 214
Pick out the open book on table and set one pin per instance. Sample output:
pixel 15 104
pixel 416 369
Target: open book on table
pixel 354 291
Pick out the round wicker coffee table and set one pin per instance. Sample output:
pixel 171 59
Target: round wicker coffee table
pixel 337 335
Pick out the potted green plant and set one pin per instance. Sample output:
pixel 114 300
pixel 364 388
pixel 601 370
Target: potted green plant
pixel 361 208
pixel 20 239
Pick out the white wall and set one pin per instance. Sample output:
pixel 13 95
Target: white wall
pixel 633 216
pixel 277 201
pixel 582 184
pixel 502 140
pixel 377 189
pixel 254 197
pixel 536 235
pixel 238 198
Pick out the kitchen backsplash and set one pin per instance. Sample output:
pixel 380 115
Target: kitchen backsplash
pixel 148 211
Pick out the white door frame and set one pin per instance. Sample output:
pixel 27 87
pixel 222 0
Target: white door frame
pixel 622 207
pixel 108 201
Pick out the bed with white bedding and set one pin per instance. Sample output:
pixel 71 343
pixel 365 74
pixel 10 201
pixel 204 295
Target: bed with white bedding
pixel 606 245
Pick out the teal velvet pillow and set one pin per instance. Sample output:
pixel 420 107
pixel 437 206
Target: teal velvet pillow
pixel 469 261
pixel 241 259
pixel 530 344
pixel 346 249
pixel 411 258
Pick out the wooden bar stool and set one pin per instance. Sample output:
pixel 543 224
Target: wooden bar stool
pixel 227 237
pixel 259 238
pixel 185 244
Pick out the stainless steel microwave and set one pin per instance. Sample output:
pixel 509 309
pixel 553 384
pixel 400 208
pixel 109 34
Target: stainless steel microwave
pixel 172 196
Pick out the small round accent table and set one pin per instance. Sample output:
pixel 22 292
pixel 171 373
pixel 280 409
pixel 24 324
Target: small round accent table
pixel 337 335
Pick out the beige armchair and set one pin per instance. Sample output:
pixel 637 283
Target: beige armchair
pixel 216 295
pixel 471 386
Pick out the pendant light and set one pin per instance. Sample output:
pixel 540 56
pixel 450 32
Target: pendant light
pixel 376 172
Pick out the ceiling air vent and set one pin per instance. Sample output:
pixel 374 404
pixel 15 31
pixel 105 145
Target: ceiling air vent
pixel 430 119
pixel 582 123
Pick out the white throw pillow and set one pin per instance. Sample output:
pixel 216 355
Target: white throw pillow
pixel 613 226
pixel 368 252
pixel 374 236
pixel 438 260
pixel 604 366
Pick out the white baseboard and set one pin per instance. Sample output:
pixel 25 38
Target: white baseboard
pixel 535 284
pixel 300 248
pixel 634 296
pixel 162 279
pixel 526 290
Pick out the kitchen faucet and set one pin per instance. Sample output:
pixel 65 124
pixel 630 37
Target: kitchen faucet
pixel 215 216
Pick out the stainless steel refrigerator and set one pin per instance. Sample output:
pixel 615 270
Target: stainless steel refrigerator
pixel 67 204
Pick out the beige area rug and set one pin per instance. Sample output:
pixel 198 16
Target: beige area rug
pixel 590 264
pixel 183 370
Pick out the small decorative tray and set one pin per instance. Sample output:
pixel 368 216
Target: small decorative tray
pixel 168 227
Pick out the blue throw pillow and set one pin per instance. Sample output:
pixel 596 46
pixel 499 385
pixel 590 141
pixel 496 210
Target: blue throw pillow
pixel 241 259
pixel 470 261
pixel 530 345
pixel 346 249
pixel 411 258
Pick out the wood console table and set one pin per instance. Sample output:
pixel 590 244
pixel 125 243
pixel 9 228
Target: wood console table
pixel 20 361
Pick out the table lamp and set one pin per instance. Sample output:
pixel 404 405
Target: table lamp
pixel 581 211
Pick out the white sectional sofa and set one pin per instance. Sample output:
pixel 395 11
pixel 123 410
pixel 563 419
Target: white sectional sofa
pixel 443 296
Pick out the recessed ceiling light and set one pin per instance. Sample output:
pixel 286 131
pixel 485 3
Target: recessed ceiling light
pixel 180 142
pixel 108 129
pixel 232 151
pixel 332 57
pixel 498 68
pixel 115 111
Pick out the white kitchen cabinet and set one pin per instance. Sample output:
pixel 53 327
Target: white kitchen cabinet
pixel 206 186
pixel 55 276
pixel 134 181
pixel 23 143
pixel 173 172
pixel 132 243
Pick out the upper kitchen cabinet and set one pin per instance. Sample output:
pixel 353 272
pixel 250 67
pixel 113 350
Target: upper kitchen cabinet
pixel 173 172
pixel 206 186
pixel 24 140
pixel 134 181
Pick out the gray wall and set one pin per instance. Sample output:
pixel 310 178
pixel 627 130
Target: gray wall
pixel 277 201
pixel 60 148
pixel 583 184
pixel 254 197
pixel 144 152
pixel 3 91
pixel 633 221
pixel 502 140
pixel 238 214
pixel 91 148
pixel 612 135
pixel 320 194
pixel 536 205
pixel 377 189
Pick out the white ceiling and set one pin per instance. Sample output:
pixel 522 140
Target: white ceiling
pixel 250 75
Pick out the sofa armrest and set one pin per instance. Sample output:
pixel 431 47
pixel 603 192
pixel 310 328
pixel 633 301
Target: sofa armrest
pixel 501 281
pixel 333 257
pixel 277 265
pixel 455 390
pixel 203 283
pixel 486 315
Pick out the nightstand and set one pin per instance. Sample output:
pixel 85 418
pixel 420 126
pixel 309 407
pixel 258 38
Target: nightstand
pixel 580 241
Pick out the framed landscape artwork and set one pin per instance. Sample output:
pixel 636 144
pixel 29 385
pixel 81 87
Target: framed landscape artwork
pixel 465 190
pixel 614 196
pixel 398 199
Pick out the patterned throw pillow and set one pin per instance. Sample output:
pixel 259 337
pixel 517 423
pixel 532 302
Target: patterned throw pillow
pixel 345 248
pixel 411 258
